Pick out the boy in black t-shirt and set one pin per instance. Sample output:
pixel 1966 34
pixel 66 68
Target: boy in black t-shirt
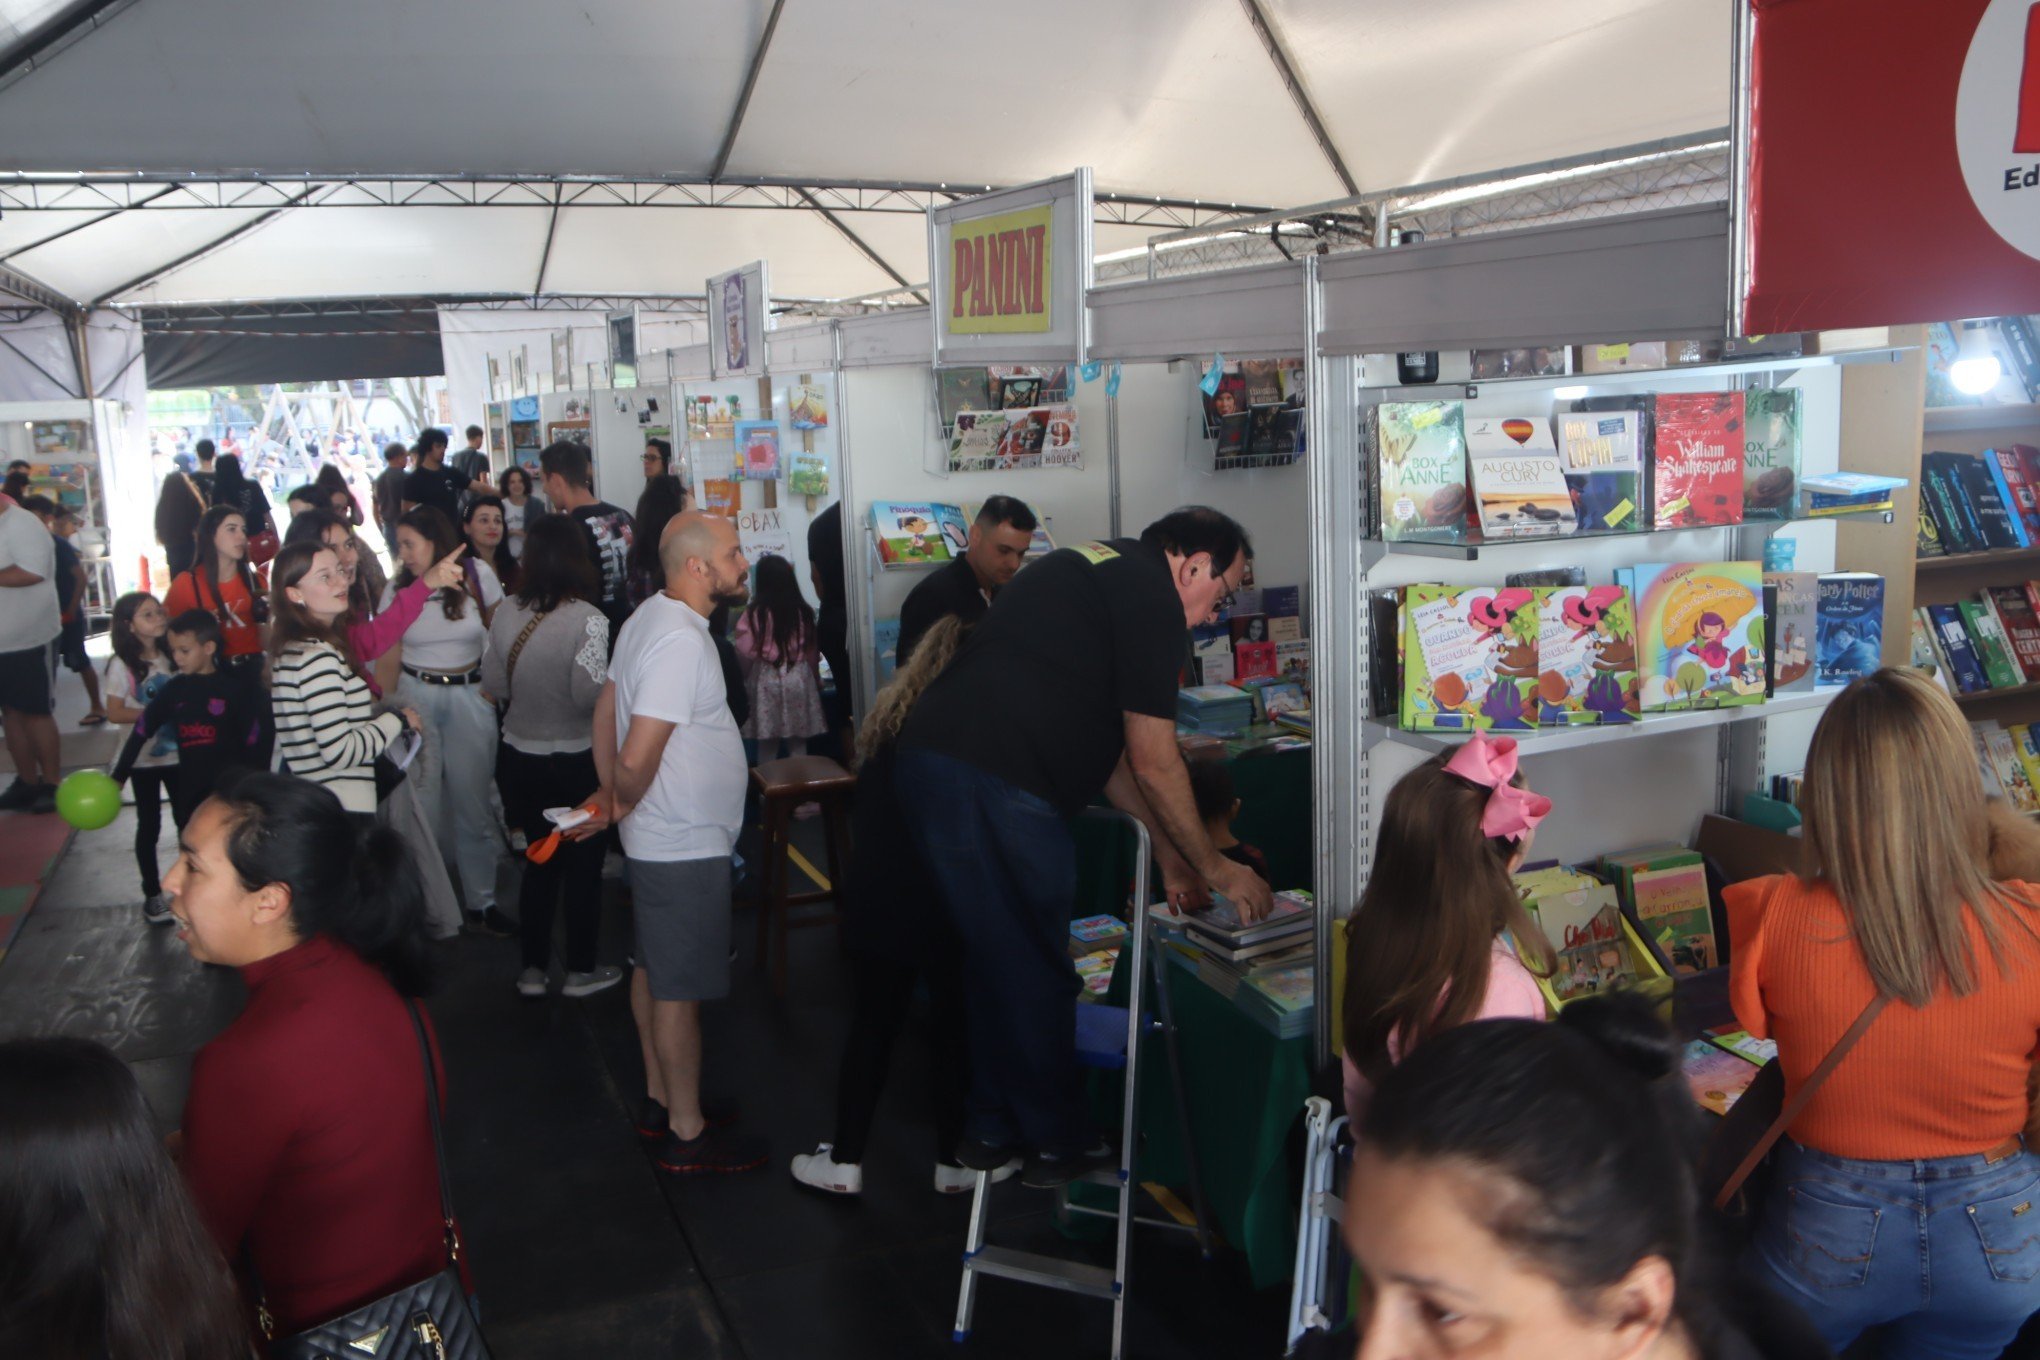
pixel 1211 788
pixel 220 715
pixel 435 484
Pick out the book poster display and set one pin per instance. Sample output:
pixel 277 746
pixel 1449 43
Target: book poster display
pixel 1008 417
pixel 737 318
pixel 807 403
pixel 1255 416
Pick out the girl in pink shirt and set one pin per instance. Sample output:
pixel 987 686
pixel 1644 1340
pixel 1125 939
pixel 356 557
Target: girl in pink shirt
pixel 1424 951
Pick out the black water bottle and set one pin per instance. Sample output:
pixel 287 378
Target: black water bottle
pixel 1415 366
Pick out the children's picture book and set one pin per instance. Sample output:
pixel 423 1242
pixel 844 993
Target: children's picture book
pixel 1771 443
pixel 721 496
pixel 1673 913
pixel 1745 1044
pixel 1586 656
pixel 1851 627
pixel 1698 460
pixel 2002 750
pixel 1252 660
pixel 1600 456
pixel 1584 926
pixel 810 475
pixel 1793 626
pixel 1716 1076
pixel 1420 469
pixel 2026 741
pixel 885 641
pixel 808 406
pixel 1470 658
pixel 1093 933
pixel 910 535
pixel 1518 486
pixel 1700 634
pixel 757 450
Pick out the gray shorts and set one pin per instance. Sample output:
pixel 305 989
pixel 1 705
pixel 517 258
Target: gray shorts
pixel 681 909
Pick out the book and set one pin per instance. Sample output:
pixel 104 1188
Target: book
pixel 1793 628
pixel 1929 542
pixel 2023 348
pixel 1942 491
pixel 885 641
pixel 1744 1044
pixel 1093 933
pixel 1469 658
pixel 2002 751
pixel 1993 516
pixel 1547 576
pixel 910 534
pixel 1622 866
pixel 1235 428
pixel 1965 665
pixel 1700 633
pixel 1849 627
pixel 1263 381
pixel 1282 601
pixel 1672 912
pixel 1518 488
pixel 1993 649
pixel 1289 914
pixel 1253 659
pixel 1600 458
pixel 1419 456
pixel 1586 656
pixel 757 450
pixel 1926 651
pixel 1584 926
pixel 1019 393
pixel 2015 485
pixel 1697 460
pixel 1716 1076
pixel 962 389
pixel 2020 625
pixel 2026 742
pixel 810 475
pixel 1771 445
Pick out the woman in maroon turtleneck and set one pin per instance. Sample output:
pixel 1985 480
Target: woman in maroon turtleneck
pixel 307 1142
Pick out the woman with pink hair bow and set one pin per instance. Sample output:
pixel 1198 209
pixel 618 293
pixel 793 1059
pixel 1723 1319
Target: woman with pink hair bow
pixel 1424 951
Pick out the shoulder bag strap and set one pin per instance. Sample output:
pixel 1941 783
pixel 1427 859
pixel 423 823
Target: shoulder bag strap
pixel 523 636
pixel 1799 1100
pixel 438 1134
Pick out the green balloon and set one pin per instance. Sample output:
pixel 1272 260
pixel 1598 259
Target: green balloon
pixel 88 799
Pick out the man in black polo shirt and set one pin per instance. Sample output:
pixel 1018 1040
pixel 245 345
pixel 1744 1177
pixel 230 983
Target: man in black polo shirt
pixel 435 484
pixel 1065 691
pixel 965 587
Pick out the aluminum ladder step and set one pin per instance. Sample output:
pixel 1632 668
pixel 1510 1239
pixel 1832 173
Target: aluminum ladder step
pixel 1049 1271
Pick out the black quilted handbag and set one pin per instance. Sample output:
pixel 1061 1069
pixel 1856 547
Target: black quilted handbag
pixel 429 1320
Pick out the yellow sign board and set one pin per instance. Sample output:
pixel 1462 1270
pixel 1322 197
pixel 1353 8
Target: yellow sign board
pixel 1001 273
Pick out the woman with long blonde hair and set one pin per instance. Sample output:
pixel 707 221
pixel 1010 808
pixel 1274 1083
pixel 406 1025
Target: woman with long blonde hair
pixel 1905 1194
pixel 897 934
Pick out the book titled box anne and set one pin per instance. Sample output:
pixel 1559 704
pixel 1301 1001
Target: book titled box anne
pixel 1420 469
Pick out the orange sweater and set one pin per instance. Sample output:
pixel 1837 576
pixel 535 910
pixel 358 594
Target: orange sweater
pixel 1943 1081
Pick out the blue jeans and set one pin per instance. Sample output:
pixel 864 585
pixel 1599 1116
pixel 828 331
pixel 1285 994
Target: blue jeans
pixel 1005 865
pixel 1944 1253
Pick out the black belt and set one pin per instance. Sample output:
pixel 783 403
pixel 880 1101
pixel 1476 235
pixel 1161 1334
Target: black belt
pixel 473 677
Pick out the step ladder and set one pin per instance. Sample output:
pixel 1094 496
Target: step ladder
pixel 1317 1288
pixel 1108 1038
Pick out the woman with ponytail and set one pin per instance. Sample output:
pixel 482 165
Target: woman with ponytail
pixel 1522 1189
pixel 307 1142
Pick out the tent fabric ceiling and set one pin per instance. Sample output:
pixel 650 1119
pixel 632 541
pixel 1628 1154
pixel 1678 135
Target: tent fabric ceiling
pixel 1174 98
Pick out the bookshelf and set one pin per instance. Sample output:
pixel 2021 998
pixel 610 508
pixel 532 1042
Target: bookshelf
pixel 1991 696
pixel 1543 741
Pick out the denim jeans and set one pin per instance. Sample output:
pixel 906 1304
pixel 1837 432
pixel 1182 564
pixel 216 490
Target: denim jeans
pixel 1944 1253
pixel 1005 865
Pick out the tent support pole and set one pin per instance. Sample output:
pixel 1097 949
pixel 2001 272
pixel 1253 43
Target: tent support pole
pixel 729 141
pixel 296 200
pixel 1265 31
pixel 863 247
pixel 61 385
pixel 552 225
pixel 80 226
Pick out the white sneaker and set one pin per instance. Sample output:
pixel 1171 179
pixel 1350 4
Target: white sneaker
pixel 156 911
pixel 819 1170
pixel 961 1180
pixel 531 982
pixel 587 984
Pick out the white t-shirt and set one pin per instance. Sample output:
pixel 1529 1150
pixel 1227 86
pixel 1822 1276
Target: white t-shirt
pixel 434 642
pixel 160 749
pixel 665 667
pixel 516 519
pixel 28 614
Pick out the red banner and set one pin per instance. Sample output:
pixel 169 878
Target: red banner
pixel 1895 162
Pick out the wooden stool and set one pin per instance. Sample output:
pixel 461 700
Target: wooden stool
pixel 784 785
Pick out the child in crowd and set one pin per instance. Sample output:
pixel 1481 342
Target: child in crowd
pixel 63 526
pixel 1211 788
pixel 780 649
pixel 1424 952
pixel 219 715
pixel 136 673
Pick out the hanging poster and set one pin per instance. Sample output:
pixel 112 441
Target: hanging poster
pixel 1009 271
pixel 623 356
pixel 737 305
pixel 758 450
pixel 563 359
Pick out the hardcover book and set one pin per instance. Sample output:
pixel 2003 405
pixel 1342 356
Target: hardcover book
pixel 1849 627
pixel 1600 456
pixel 1993 515
pixel 1672 911
pixel 2002 750
pixel 1793 629
pixel 1586 656
pixel 1771 443
pixel 1965 665
pixel 1697 460
pixel 2021 626
pixel 1469 658
pixel 913 534
pixel 963 389
pixel 1929 544
pixel 1517 483
pixel 1420 470
pixel 2015 485
pixel 1926 651
pixel 1700 633
pixel 1993 648
pixel 1716 1076
pixel 1584 926
pixel 1942 490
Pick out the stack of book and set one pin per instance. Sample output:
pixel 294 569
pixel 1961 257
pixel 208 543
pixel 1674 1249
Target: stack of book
pixel 2009 759
pixel 1266 968
pixel 1825 495
pixel 1979 502
pixel 1214 708
pixel 1990 641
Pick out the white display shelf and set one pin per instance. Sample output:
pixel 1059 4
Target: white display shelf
pixel 1941 419
pixel 1471 552
pixel 1470 389
pixel 1549 739
pixel 1969 561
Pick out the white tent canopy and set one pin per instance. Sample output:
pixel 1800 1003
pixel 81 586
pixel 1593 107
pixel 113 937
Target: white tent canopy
pixel 226 150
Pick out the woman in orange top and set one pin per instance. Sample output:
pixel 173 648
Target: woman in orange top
pixel 1905 1195
pixel 223 583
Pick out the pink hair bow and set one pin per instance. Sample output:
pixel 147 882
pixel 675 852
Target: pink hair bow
pixel 1510 811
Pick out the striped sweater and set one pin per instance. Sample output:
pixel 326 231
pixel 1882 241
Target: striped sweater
pixel 325 731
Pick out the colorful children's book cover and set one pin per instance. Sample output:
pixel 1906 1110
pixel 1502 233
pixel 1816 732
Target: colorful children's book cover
pixel 1700 634
pixel 721 496
pixel 1420 469
pixel 810 475
pixel 1716 1076
pixel 1586 656
pixel 1470 658
pixel 1252 660
pixel 1600 455
pixel 2003 750
pixel 1771 443
pixel 1851 627
pixel 2026 741
pixel 1745 1044
pixel 974 440
pixel 1792 629
pixel 1672 912
pixel 1584 926
pixel 1518 486
pixel 757 450
pixel 808 406
pixel 1698 454
pixel 909 535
